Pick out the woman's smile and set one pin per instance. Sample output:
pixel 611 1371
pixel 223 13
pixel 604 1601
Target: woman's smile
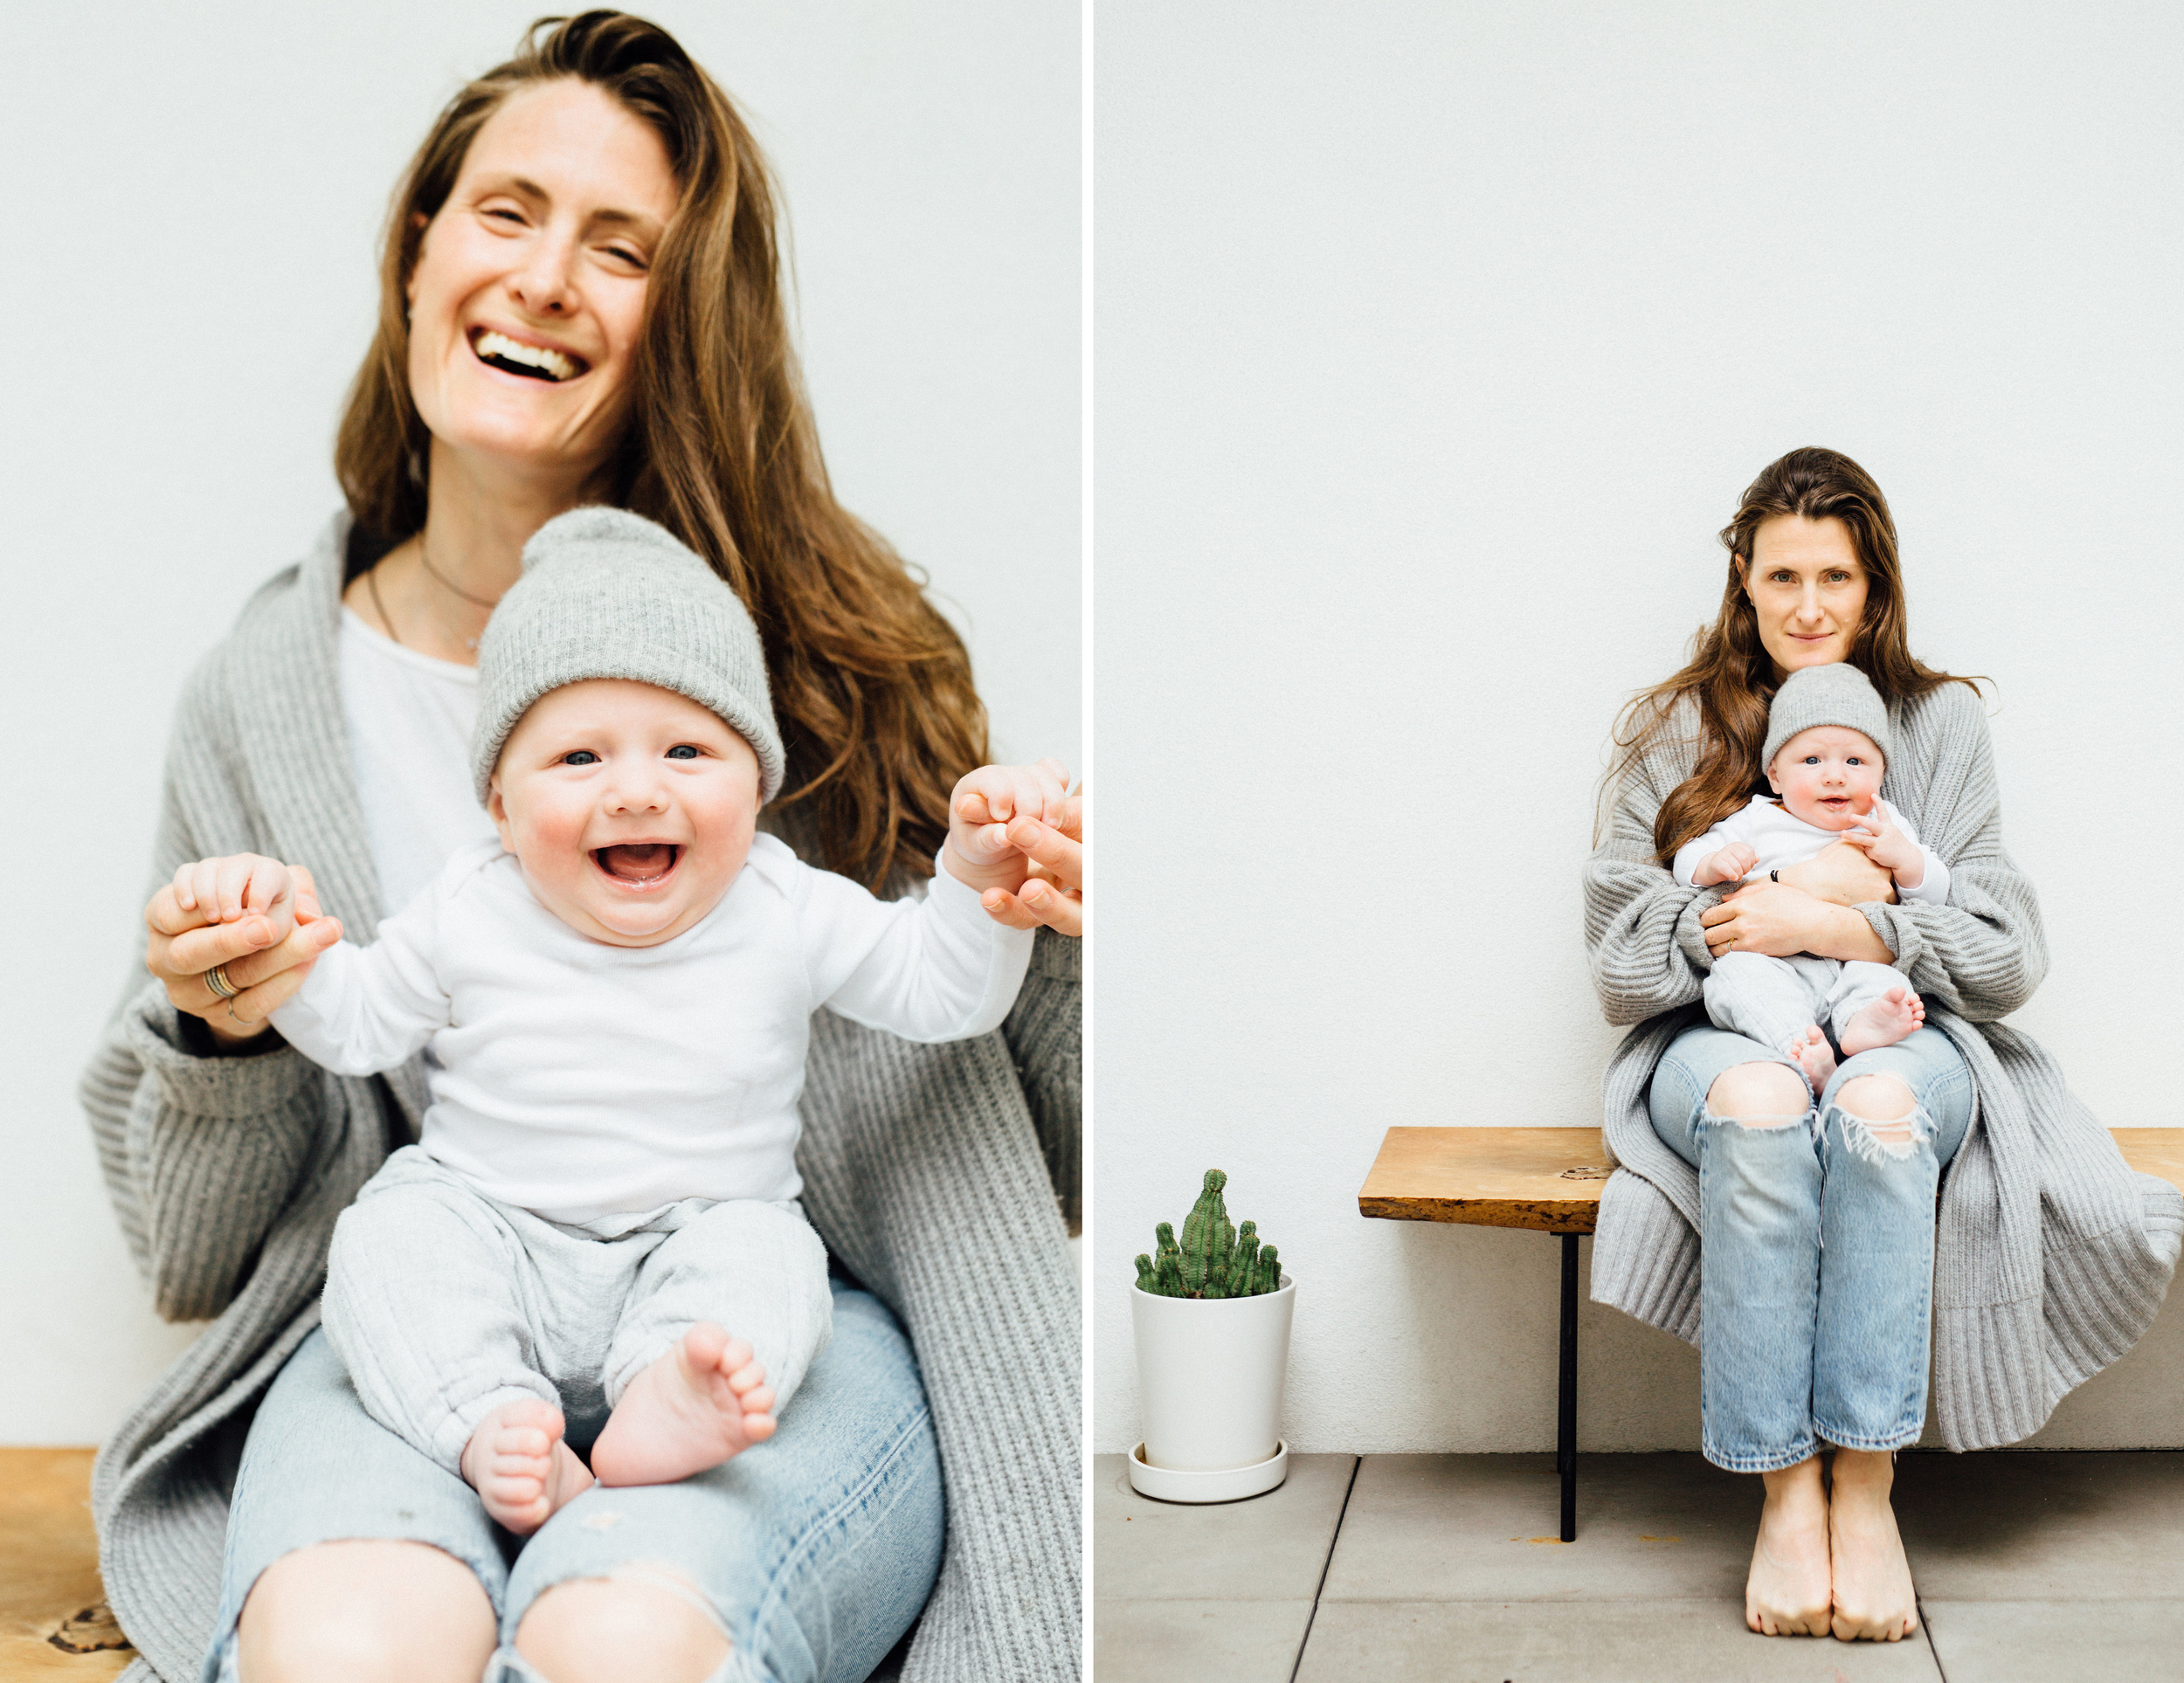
pixel 528 359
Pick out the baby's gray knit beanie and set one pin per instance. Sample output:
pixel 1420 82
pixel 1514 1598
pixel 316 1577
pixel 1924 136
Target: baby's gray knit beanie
pixel 1838 694
pixel 608 594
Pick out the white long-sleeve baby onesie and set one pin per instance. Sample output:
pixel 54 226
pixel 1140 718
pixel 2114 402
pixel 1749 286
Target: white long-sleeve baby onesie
pixel 1781 838
pixel 609 1156
pixel 593 1084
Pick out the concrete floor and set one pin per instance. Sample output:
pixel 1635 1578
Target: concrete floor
pixel 2031 1567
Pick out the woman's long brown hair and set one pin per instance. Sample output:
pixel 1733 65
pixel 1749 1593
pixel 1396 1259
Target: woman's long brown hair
pixel 872 686
pixel 1731 676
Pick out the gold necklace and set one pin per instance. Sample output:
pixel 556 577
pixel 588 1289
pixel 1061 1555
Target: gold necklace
pixel 425 556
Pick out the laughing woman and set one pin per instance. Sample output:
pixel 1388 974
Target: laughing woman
pixel 1800 1247
pixel 580 303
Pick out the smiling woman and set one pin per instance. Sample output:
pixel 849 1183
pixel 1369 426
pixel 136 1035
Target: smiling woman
pixel 581 303
pixel 1793 1205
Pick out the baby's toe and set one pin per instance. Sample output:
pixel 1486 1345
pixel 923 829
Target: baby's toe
pixel 758 1400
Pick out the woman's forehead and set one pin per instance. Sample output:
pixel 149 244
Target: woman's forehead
pixel 570 143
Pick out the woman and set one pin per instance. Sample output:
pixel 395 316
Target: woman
pixel 580 303
pixel 1811 1255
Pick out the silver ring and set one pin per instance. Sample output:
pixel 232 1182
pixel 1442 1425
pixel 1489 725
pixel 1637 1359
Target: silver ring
pixel 216 979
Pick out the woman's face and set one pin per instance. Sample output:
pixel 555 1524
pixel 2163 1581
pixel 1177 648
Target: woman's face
pixel 1808 586
pixel 529 289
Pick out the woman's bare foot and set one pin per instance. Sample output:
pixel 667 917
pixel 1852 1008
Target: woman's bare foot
pixel 1813 1055
pixel 1888 1020
pixel 703 1401
pixel 1874 1600
pixel 519 1468
pixel 1787 1592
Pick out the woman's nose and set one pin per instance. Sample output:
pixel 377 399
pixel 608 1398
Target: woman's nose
pixel 545 285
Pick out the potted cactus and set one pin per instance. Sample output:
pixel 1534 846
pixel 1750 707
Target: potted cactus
pixel 1211 1315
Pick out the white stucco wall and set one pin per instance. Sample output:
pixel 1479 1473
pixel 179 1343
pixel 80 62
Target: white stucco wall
pixel 193 199
pixel 1433 344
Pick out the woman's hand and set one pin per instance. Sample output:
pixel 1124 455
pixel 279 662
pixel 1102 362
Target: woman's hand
pixel 1841 875
pixel 255 958
pixel 1054 894
pixel 1778 921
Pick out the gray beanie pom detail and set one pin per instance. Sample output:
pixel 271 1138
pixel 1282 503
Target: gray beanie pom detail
pixel 609 594
pixel 1836 694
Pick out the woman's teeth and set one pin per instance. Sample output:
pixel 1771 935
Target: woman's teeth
pixel 533 361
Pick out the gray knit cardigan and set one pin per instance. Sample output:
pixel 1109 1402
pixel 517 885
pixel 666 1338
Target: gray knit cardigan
pixel 2051 1255
pixel 921 1167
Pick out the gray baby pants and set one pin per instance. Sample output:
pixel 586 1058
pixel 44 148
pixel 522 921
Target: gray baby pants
pixel 1775 1000
pixel 445 1304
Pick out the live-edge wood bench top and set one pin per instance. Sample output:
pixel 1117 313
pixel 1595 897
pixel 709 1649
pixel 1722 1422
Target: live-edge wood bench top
pixel 1549 1179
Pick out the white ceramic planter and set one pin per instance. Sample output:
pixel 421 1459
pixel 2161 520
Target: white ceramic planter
pixel 1210 1374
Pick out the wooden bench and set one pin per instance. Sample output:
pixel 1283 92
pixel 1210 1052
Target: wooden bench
pixel 1548 1180
pixel 53 1620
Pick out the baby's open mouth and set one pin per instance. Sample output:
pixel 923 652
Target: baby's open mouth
pixel 640 864
pixel 532 362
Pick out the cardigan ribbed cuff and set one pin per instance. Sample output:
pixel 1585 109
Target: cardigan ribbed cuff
pixel 231 1087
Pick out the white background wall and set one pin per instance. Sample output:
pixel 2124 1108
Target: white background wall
pixel 1433 343
pixel 191 198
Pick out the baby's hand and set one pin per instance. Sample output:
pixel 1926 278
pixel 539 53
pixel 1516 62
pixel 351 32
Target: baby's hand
pixel 1887 846
pixel 978 850
pixel 1729 863
pixel 241 886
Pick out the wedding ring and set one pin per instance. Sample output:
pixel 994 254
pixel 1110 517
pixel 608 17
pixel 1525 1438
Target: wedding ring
pixel 216 979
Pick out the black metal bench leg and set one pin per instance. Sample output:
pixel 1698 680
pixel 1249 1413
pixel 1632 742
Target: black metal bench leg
pixel 1566 1425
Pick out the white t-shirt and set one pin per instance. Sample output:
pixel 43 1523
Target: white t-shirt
pixel 1781 838
pixel 596 1084
pixel 409 719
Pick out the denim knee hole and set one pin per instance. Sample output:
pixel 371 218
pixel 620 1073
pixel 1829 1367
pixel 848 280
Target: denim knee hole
pixel 1861 1140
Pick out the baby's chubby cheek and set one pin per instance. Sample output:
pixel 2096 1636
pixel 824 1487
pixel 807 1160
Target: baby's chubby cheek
pixel 549 842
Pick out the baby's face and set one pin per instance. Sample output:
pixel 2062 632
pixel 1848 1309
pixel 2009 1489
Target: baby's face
pixel 630 808
pixel 1828 776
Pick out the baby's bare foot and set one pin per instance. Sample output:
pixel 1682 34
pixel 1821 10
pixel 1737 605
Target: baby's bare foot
pixel 1813 1057
pixel 1874 1599
pixel 1888 1020
pixel 1787 1591
pixel 519 1468
pixel 702 1402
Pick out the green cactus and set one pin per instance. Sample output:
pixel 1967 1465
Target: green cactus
pixel 1215 1258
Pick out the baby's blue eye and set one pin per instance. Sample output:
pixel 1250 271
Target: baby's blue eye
pixel 682 751
pixel 582 757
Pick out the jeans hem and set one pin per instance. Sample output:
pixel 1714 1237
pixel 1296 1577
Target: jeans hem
pixel 1889 1442
pixel 1774 1461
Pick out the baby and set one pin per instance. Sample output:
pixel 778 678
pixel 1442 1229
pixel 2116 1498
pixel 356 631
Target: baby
pixel 614 1001
pixel 1826 746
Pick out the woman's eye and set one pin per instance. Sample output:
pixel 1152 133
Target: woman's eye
pixel 682 751
pixel 582 757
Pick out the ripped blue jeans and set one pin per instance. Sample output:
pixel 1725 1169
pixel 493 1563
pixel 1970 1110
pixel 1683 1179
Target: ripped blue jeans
pixel 1816 1251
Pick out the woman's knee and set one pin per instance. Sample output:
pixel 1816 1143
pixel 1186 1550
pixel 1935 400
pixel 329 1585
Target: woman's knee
pixel 1883 1106
pixel 606 1630
pixel 1760 1095
pixel 366 1611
